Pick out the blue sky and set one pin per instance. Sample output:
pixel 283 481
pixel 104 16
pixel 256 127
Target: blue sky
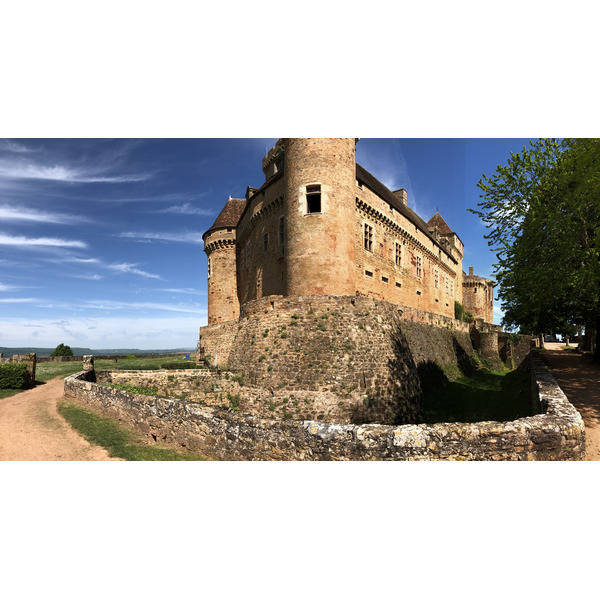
pixel 101 240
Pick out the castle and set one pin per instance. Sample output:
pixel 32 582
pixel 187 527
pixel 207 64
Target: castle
pixel 323 287
pixel 322 225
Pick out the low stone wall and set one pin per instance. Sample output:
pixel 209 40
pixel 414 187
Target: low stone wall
pixel 557 434
pixel 109 357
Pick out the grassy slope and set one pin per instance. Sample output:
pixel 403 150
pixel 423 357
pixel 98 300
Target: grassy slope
pixel 485 396
pixel 116 439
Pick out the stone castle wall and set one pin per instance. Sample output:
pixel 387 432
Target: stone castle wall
pixel 260 266
pixel 433 288
pixel 343 350
pixel 557 434
pixel 29 359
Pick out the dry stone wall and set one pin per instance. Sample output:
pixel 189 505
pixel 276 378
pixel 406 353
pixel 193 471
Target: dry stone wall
pixel 557 434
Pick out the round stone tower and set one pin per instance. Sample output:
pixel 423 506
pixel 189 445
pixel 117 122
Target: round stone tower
pixel 320 187
pixel 219 245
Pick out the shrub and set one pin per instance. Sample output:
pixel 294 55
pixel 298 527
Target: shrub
pixel 62 350
pixel 13 376
pixel 180 364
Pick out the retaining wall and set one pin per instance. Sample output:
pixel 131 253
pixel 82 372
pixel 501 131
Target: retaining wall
pixel 557 434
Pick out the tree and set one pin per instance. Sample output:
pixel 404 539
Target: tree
pixel 543 212
pixel 62 350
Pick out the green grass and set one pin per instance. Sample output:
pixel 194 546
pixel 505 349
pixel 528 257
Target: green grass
pixel 8 393
pixel 48 370
pixel 484 396
pixel 119 441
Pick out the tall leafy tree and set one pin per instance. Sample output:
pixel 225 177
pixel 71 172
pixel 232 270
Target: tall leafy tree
pixel 543 212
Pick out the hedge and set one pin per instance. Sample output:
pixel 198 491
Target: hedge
pixel 13 376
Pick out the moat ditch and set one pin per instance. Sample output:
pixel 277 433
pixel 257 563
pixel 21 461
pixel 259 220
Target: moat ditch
pixel 484 395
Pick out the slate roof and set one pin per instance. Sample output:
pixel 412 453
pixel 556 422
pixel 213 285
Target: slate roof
pixel 229 216
pixel 381 190
pixel 438 221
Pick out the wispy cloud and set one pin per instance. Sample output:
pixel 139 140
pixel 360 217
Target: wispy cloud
pixel 19 240
pixel 131 268
pixel 17 300
pixel 13 213
pixel 182 291
pixel 168 331
pixel 114 305
pixel 26 170
pixel 192 237
pixel 4 287
pixel 187 209
pixel 17 147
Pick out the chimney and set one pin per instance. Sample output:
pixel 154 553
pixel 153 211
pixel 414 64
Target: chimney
pixel 401 195
pixel 470 271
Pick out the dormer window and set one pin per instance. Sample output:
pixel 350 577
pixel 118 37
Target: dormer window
pixel 313 199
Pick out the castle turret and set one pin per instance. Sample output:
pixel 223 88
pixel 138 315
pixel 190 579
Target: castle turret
pixel 478 296
pixel 219 245
pixel 320 186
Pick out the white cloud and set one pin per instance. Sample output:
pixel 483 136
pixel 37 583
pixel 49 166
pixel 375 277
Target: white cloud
pixel 18 240
pixel 103 332
pixel 187 209
pixel 4 287
pixel 192 237
pixel 13 169
pixel 11 213
pixel 130 268
pixel 17 147
pixel 17 300
pixel 115 305
pixel 182 291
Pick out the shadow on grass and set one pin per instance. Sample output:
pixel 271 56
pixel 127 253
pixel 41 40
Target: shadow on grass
pixel 483 396
pixel 116 439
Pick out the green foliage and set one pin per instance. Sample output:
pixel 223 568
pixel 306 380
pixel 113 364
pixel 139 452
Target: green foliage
pixel 116 439
pixel 13 376
pixel 543 213
pixel 135 389
pixel 62 350
pixel 180 364
pixel 461 314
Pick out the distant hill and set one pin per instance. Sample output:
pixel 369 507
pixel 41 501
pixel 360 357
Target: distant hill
pixel 81 351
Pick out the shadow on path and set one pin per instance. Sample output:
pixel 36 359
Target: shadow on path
pixel 579 379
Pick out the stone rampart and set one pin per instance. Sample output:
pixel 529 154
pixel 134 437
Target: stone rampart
pixel 557 434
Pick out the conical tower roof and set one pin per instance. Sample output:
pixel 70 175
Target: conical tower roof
pixel 229 216
pixel 438 222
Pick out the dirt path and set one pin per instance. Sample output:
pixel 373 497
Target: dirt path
pixel 32 429
pixel 579 379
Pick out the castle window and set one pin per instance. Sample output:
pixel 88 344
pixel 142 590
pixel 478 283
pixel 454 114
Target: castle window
pixel 209 269
pixel 369 273
pixel 447 284
pixel 398 255
pixel 266 242
pixel 279 166
pixel 281 231
pixel 384 279
pixel 419 266
pixel 313 199
pixel 435 278
pixel 398 284
pixel 368 237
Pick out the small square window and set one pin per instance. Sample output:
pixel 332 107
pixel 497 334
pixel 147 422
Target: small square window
pixel 266 242
pixel 369 273
pixel 384 279
pixel 313 199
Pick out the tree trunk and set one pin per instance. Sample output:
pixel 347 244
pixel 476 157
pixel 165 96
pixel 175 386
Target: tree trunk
pixel 597 348
pixel 541 338
pixel 566 340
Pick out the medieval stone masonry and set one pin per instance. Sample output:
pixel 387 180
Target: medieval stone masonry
pixel 310 276
pixel 323 225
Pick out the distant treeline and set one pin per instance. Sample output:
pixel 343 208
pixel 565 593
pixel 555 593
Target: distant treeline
pixel 84 351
